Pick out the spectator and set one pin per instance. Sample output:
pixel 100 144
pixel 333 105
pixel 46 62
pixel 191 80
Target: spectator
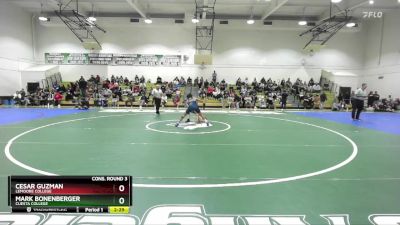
pixel 126 81
pixel 177 99
pixel 284 97
pixel 370 101
pixel 214 77
pixel 159 80
pixel 323 99
pixel 97 80
pixel 376 98
pixel 57 99
pixel 82 86
pixel 143 101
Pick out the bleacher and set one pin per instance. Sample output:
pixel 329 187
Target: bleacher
pixel 209 102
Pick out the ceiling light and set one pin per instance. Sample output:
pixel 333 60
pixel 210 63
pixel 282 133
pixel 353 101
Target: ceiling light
pixel 148 21
pixel 43 18
pixel 302 22
pixel 195 20
pixel 371 2
pixel 350 24
pixel 91 19
pixel 250 21
pixel 336 1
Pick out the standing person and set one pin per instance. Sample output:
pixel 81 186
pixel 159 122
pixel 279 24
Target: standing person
pixel 214 77
pixel 370 101
pixel 157 94
pixel 284 97
pixel 323 99
pixel 82 86
pixel 358 102
pixel 376 98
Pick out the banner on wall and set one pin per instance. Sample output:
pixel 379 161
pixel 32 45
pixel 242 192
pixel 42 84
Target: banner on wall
pixel 112 59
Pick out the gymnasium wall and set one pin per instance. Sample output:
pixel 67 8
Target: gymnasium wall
pixel 238 52
pixel 16 51
pixel 382 58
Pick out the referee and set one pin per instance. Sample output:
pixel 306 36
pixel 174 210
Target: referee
pixel 358 102
pixel 157 94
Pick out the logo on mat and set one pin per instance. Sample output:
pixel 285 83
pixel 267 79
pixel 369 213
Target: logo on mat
pixel 190 125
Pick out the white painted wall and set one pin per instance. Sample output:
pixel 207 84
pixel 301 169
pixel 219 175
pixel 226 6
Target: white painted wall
pixel 15 46
pixel 355 57
pixel 237 52
pixel 382 55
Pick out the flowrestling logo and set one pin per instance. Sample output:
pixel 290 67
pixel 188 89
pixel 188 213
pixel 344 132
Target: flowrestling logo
pixel 371 14
pixel 183 215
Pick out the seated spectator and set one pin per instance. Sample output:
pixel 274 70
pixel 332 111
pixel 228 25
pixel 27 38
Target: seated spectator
pixel 159 80
pixel 96 98
pixel 396 104
pixel 201 82
pixel 177 99
pixel 254 83
pixel 288 83
pixel 120 80
pixel 126 81
pixel 202 93
pixel 311 82
pixel 57 99
pixel 113 86
pixel 130 99
pixel 182 81
pixel 376 98
pixel 83 103
pixel 282 83
pixel 308 101
pixel 143 101
pixel 17 98
pixel 142 80
pixel 210 91
pixel 164 100
pixel 97 80
pixel 63 89
pixel 169 92
pixel 316 88
pixel 237 101
pixel 136 79
pixel 206 84
pixel 336 106
pixel 317 101
pixel 92 78
pixel 262 102
pixel 248 101
pixel 136 89
pixel 217 93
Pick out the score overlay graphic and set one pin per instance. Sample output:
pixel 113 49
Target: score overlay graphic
pixel 88 194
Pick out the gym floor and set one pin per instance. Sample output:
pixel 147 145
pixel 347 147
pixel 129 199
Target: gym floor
pixel 258 162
